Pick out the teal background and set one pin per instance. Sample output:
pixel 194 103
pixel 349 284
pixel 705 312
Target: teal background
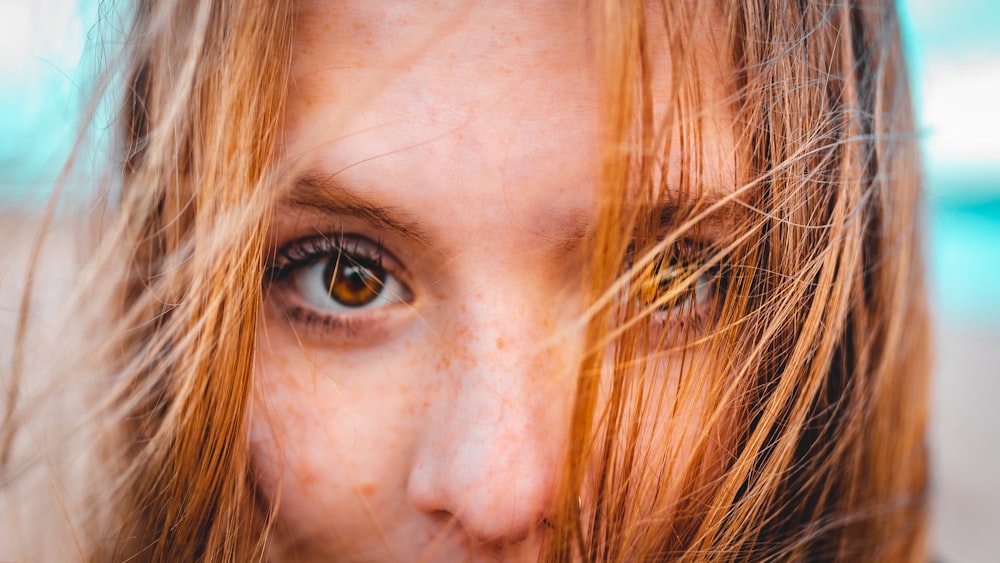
pixel 954 55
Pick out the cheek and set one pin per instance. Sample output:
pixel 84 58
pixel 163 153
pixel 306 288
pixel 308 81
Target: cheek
pixel 691 433
pixel 679 436
pixel 331 436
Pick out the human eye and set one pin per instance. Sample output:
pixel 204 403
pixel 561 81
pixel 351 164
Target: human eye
pixel 337 285
pixel 682 283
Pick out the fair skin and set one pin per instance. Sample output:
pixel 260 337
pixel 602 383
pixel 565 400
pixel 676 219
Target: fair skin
pixel 425 415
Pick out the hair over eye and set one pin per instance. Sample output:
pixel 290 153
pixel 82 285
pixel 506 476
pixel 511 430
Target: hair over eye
pixel 681 283
pixel 323 278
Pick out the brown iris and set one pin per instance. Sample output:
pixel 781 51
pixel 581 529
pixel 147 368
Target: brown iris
pixel 353 282
pixel 658 278
pixel 669 269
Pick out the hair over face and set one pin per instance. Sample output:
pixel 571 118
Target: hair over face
pixel 810 372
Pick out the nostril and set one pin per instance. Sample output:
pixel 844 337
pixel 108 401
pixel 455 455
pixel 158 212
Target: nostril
pixel 499 531
pixel 491 533
pixel 479 501
pixel 487 515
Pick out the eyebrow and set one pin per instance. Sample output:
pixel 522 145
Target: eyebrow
pixel 324 193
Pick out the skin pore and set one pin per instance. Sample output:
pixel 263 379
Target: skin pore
pixel 421 338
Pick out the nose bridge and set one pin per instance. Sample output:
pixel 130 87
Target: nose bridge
pixel 491 450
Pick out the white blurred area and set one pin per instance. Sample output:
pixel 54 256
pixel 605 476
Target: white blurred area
pixel 960 117
pixel 33 30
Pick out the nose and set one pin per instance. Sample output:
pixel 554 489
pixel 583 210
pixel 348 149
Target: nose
pixel 493 442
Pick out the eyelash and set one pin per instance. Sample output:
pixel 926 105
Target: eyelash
pixel 359 262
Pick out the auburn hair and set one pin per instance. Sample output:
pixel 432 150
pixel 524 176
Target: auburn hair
pixel 812 366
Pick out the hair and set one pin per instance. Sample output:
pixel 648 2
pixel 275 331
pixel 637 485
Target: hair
pixel 812 367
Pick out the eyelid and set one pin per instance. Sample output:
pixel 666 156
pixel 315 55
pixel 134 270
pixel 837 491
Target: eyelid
pixel 301 251
pixel 685 247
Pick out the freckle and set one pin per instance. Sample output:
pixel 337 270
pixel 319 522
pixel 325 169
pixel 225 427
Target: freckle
pixel 444 364
pixel 499 343
pixel 367 489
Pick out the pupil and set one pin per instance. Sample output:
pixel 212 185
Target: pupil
pixel 353 284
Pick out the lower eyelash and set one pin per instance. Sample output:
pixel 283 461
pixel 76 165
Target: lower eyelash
pixel 347 327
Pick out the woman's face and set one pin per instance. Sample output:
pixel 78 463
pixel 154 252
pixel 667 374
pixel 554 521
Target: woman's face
pixel 421 339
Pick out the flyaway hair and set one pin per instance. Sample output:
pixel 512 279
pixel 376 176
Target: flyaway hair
pixel 813 448
pixel 801 399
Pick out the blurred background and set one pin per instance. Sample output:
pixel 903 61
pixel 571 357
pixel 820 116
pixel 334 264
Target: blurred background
pixel 954 55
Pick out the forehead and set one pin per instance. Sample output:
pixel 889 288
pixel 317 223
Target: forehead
pixel 442 68
pixel 502 93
